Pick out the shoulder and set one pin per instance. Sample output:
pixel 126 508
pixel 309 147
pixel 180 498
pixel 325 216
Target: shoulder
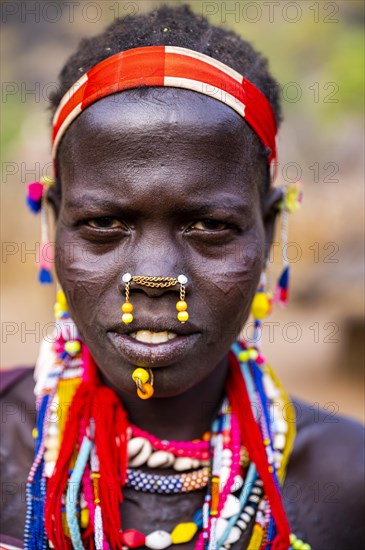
pixel 324 488
pixel 18 413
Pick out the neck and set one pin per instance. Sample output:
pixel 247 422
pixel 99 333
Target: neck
pixel 182 417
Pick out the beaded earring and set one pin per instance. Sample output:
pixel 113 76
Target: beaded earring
pixel 154 282
pixel 291 202
pixel 261 306
pixel 263 300
pixel 37 203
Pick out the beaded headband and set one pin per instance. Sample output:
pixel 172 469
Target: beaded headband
pixel 174 67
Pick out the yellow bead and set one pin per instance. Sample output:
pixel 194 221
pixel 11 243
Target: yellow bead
pixel 306 546
pixel 243 356
pixel 292 201
pixel 127 307
pixel 142 374
pixel 34 433
pixel 48 181
pixel 58 311
pixel 183 532
pixel 292 538
pixel 253 354
pixel 183 316
pixel 147 392
pixel 84 517
pixel 72 347
pixel 61 300
pixel 260 305
pixel 298 544
pixel 127 318
pixel 181 305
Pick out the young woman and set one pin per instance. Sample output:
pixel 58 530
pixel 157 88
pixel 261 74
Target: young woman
pixel 155 426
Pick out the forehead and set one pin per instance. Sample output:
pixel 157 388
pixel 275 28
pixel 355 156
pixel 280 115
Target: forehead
pixel 160 132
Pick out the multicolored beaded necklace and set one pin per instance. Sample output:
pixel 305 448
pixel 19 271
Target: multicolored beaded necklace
pixel 86 452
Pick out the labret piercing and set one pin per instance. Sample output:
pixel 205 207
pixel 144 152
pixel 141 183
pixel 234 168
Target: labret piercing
pixel 143 378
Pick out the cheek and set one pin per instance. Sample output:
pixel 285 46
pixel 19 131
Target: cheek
pixel 230 282
pixel 87 279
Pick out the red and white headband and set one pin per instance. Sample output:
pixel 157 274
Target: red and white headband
pixel 173 67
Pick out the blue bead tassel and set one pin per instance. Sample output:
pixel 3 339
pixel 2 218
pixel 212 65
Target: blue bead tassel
pixel 34 206
pixel 282 288
pixel 34 196
pixel 45 276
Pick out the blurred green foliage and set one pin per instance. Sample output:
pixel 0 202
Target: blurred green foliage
pixel 11 119
pixel 312 50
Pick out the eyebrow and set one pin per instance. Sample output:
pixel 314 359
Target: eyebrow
pixel 222 202
pixel 235 205
pixel 88 201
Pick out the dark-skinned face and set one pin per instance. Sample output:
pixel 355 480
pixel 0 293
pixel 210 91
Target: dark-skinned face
pixel 161 182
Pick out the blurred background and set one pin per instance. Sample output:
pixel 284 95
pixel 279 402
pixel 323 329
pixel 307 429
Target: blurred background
pixel 316 51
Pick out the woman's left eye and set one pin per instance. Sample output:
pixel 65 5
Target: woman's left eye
pixel 105 223
pixel 209 225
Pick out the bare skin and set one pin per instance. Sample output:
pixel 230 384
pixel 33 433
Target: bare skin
pixel 163 182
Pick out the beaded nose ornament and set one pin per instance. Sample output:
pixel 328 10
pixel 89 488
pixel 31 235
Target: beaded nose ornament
pixel 143 378
pixel 154 282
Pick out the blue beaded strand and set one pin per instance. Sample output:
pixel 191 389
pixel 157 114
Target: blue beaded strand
pixel 170 484
pixel 271 532
pixel 72 491
pixel 34 530
pixel 257 373
pixel 250 479
pixel 257 376
pixel 255 392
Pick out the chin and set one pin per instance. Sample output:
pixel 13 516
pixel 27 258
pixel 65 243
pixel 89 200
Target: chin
pixel 171 380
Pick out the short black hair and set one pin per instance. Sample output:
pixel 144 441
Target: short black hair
pixel 172 26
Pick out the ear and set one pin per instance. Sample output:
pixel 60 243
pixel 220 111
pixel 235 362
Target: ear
pixel 54 198
pixel 270 211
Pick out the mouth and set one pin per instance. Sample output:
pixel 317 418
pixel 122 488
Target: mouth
pixel 151 337
pixel 153 348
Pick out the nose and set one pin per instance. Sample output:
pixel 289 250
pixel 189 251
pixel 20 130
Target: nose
pixel 155 263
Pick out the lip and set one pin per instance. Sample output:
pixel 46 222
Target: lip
pixel 153 355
